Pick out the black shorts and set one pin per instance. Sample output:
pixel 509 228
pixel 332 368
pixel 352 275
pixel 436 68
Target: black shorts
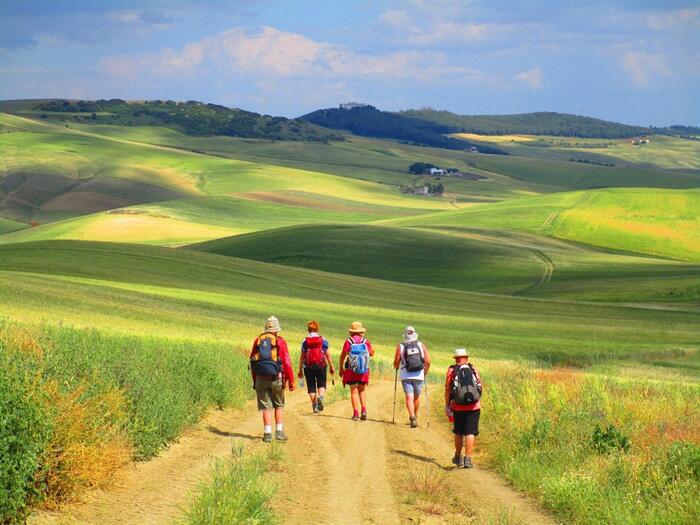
pixel 315 378
pixel 467 423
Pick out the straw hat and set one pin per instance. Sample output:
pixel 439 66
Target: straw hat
pixel 357 328
pixel 461 352
pixel 272 325
pixel 410 335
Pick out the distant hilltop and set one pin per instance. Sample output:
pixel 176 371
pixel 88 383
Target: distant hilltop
pixel 353 105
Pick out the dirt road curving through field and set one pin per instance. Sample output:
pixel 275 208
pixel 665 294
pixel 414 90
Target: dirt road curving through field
pixel 336 470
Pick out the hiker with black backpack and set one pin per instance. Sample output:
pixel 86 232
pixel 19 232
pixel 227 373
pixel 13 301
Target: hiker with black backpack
pixel 354 362
pixel 271 368
pixel 412 361
pixel 313 363
pixel 463 390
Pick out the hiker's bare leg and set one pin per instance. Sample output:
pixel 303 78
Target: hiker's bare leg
pixel 267 417
pixel 279 415
pixel 469 445
pixel 410 405
pixel 459 442
pixel 416 405
pixel 312 397
pixel 321 392
pixel 363 395
pixel 354 397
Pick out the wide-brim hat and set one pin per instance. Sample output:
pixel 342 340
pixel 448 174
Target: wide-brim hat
pixel 272 324
pixel 461 352
pixel 410 335
pixel 357 328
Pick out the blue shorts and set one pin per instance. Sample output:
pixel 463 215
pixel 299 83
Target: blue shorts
pixel 412 386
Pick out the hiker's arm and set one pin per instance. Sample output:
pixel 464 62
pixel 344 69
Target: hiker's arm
pixel 448 387
pixel 397 356
pixel 343 355
pixel 370 349
pixel 329 360
pixel 288 371
pixel 426 366
pixel 301 363
pixel 252 353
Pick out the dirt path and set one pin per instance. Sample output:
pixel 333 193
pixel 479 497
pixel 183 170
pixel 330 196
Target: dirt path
pixel 336 470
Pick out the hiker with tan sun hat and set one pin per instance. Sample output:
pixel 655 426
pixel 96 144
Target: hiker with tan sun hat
pixel 354 362
pixel 463 390
pixel 271 368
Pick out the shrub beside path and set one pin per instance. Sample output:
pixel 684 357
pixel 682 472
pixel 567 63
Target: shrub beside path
pixel 362 467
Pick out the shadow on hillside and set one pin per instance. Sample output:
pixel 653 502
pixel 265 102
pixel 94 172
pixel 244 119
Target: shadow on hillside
pixel 424 459
pixel 226 433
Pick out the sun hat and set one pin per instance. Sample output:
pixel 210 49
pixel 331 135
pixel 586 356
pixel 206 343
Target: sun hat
pixel 461 352
pixel 357 328
pixel 272 324
pixel 410 335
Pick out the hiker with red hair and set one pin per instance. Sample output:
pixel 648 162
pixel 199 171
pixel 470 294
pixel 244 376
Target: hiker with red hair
pixel 354 362
pixel 313 364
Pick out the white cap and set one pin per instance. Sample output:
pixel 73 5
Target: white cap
pixel 461 352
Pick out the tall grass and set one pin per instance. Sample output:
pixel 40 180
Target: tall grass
pixel 597 449
pixel 76 405
pixel 240 491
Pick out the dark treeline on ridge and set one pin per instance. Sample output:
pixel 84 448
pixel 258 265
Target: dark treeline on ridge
pixel 191 117
pixel 368 121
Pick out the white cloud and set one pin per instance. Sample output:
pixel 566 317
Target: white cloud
pixel 272 53
pixel 643 68
pixel 531 77
pixel 673 19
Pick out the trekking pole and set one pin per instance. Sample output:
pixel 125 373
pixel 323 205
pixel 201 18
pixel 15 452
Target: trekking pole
pixel 396 379
pixel 427 400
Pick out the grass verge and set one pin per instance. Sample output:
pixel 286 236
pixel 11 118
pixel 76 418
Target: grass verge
pixel 240 491
pixel 76 405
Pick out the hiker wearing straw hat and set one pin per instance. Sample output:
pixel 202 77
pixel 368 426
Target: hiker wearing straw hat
pixel 271 368
pixel 354 362
pixel 463 390
pixel 413 362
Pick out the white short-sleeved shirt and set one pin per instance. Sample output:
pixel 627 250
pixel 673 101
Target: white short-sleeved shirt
pixel 405 374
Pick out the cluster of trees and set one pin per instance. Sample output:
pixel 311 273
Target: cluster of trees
pixel 435 189
pixel 590 161
pixel 191 117
pixel 368 121
pixel 419 168
pixel 539 123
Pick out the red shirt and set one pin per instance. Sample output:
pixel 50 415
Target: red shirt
pixel 448 391
pixel 348 375
pixel 287 370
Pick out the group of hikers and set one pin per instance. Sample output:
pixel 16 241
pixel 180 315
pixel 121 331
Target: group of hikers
pixel 272 372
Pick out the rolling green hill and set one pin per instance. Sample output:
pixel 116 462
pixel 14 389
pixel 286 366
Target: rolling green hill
pixel 193 295
pixel 652 221
pixel 7 225
pixel 191 117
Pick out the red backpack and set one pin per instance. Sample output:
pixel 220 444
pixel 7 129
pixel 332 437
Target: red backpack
pixel 314 356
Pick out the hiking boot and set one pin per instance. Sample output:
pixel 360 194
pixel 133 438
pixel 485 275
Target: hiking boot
pixel 457 461
pixel 363 416
pixel 281 436
pixel 414 421
pixel 267 438
pixel 355 418
pixel 319 405
pixel 468 462
pixel 316 409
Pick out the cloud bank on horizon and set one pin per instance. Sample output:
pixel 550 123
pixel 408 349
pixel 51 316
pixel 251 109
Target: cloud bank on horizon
pixel 636 62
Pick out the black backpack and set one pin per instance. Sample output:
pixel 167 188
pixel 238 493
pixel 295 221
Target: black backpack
pixel 413 357
pixel 466 388
pixel 266 361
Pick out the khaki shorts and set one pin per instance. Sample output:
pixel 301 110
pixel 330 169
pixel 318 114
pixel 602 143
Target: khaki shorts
pixel 270 393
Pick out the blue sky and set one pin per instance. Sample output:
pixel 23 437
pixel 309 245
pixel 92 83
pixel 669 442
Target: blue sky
pixel 635 62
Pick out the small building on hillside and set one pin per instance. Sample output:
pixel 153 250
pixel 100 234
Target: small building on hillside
pixel 437 171
pixel 353 105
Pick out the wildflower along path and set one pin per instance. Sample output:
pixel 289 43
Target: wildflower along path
pixel 334 471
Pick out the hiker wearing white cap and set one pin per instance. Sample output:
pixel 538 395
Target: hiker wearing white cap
pixel 413 362
pixel 463 390
pixel 271 368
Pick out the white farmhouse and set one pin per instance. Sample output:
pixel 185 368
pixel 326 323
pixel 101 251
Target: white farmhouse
pixel 437 171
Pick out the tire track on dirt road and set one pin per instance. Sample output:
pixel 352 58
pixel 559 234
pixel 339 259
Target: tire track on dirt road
pixel 335 470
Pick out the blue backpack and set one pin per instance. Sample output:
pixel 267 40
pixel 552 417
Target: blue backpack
pixel 358 358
